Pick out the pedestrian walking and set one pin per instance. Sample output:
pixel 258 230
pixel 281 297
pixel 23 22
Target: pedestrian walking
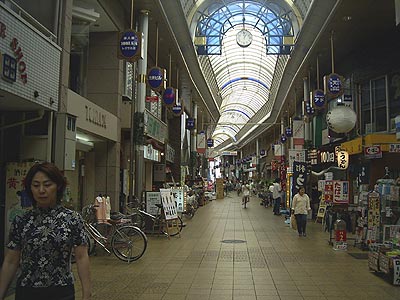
pixel 41 242
pixel 300 208
pixel 277 196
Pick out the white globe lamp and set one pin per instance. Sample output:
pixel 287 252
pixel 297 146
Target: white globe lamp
pixel 341 119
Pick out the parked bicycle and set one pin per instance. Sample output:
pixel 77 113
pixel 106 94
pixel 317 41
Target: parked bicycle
pixel 127 242
pixel 160 224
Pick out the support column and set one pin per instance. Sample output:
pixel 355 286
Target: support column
pixel 140 102
pixel 306 100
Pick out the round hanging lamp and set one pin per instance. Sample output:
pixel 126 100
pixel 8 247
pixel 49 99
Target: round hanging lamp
pixel 341 119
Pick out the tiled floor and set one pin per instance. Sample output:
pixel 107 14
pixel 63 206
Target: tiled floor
pixel 272 263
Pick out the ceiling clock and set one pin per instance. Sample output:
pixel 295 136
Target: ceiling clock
pixel 244 38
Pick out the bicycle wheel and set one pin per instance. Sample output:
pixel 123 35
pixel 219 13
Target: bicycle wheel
pixel 172 230
pixel 138 220
pixel 128 243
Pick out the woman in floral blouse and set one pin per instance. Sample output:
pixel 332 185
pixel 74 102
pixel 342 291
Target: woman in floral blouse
pixel 41 242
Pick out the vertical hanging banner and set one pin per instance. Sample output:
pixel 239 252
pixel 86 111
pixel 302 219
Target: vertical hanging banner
pixel 201 142
pixel 299 176
pixel 169 96
pixel 298 132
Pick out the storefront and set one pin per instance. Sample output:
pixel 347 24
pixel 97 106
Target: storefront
pixel 30 65
pixel 90 163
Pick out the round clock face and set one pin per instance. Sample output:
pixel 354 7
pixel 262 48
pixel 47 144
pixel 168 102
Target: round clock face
pixel 244 38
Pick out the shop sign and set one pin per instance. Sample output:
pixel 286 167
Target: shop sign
pixel 296 155
pixel 373 152
pixel 13 65
pixel 210 143
pixel 189 123
pixel 129 46
pixel 154 128
pixel 151 99
pixel 326 157
pixel 168 203
pixel 169 96
pixel 340 192
pixel 201 142
pixel 298 132
pixel 156 79
pixel 150 153
pixel 394 148
pixel 333 85
pixel 17 200
pixel 313 156
pixel 328 191
pixel 318 97
pixel 229 153
pixel 178 197
pixel 343 159
pixel 299 176
pixel 95 116
pixel 177 109
pixel 152 198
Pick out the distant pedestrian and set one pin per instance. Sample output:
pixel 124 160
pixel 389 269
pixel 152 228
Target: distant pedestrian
pixel 300 208
pixel 277 196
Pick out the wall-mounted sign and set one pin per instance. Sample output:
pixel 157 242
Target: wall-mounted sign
pixel 318 99
pixel 169 96
pixel 340 192
pixel 374 151
pixel 190 123
pixel 333 85
pixel 156 78
pixel 129 45
pixel 152 99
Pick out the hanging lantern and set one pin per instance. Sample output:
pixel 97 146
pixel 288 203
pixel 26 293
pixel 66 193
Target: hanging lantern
pixel 283 138
pixel 341 119
pixel 288 132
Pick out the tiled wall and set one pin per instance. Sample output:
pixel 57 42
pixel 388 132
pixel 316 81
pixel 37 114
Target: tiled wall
pixel 41 57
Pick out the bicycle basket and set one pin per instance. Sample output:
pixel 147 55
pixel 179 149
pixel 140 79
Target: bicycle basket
pixel 89 214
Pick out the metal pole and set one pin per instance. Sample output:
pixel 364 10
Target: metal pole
pixel 132 133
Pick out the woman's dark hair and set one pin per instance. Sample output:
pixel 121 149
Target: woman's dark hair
pixel 277 180
pixel 52 172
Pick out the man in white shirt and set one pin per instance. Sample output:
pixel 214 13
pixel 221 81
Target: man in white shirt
pixel 277 195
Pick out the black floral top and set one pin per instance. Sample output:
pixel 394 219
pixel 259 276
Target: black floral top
pixel 45 237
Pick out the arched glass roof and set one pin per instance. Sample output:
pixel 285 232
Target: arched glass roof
pixel 243 74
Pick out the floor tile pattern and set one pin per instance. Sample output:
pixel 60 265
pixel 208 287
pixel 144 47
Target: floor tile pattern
pixel 273 263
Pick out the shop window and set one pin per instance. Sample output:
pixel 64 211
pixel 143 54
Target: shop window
pixel 374 106
pixel 79 57
pixel 394 98
pixel 39 127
